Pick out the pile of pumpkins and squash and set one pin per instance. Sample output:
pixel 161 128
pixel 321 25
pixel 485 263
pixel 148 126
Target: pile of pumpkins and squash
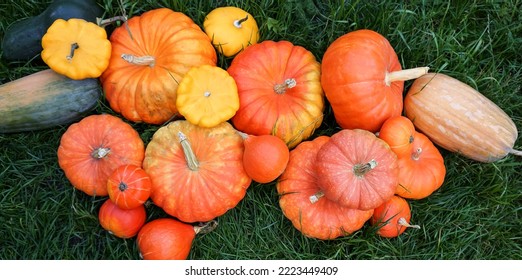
pixel 222 129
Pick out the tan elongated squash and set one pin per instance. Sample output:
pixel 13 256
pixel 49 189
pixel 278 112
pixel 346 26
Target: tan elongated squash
pixel 45 99
pixel 460 119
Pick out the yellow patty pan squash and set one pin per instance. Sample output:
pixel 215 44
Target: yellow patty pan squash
pixel 207 96
pixel 231 29
pixel 76 48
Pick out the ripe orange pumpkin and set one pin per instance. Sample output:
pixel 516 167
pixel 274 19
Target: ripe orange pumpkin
pixel 422 171
pixel 392 217
pixel 129 186
pixel 91 149
pixel 357 170
pixel 168 239
pixel 399 133
pixel 147 64
pixel 279 91
pixel 318 218
pixel 363 80
pixel 265 157
pixel 197 173
pixel 123 223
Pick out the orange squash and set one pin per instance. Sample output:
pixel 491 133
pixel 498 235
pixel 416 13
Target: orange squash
pixel 392 218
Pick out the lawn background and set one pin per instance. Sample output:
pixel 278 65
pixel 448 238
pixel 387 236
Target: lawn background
pixel 477 213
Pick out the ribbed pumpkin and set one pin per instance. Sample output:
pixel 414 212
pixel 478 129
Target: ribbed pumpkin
pixel 357 170
pixel 363 80
pixel 279 91
pixel 460 119
pixel 321 218
pixel 150 55
pixel 399 133
pixel 197 173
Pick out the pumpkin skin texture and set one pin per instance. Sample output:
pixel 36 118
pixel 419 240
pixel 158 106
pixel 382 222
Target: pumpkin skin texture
pixel 76 48
pixel 91 149
pixel 399 133
pixel 165 239
pixel 422 171
pixel 198 175
pixel 231 29
pixel 207 96
pixel 392 217
pixel 123 223
pixel 129 186
pixel 363 80
pixel 322 219
pixel 279 91
pixel 145 68
pixel 357 170
pixel 460 119
pixel 265 157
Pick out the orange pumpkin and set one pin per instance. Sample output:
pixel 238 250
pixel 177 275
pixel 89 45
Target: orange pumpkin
pixel 197 173
pixel 392 217
pixel 363 80
pixel 265 157
pixel 147 64
pixel 129 186
pixel 357 170
pixel 316 217
pixel 422 170
pixel 399 133
pixel 123 223
pixel 279 91
pixel 93 148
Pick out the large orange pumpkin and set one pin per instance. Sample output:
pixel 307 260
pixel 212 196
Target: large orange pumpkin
pixel 197 173
pixel 298 186
pixel 93 148
pixel 363 80
pixel 150 55
pixel 357 170
pixel 279 91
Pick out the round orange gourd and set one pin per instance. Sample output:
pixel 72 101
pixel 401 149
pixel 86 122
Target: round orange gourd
pixel 150 55
pixel 363 80
pixel 265 157
pixel 91 149
pixel 197 173
pixel 460 119
pixel 357 170
pixel 279 91
pixel 399 133
pixel 422 170
pixel 123 223
pixel 129 186
pixel 313 215
pixel 392 217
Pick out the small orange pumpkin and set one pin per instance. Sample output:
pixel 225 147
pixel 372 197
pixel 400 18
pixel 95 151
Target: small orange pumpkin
pixel 123 223
pixel 392 217
pixel 265 157
pixel 399 133
pixel 129 186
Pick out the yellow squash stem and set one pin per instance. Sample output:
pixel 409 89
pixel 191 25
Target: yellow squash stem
pixel 238 22
pixel 405 75
pixel 192 161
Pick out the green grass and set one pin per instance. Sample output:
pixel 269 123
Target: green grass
pixel 477 213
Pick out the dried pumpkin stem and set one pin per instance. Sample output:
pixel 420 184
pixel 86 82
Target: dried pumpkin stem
pixel 360 169
pixel 207 227
pixel 416 155
pixel 315 197
pixel 515 152
pixel 74 46
pixel 404 75
pixel 281 88
pixel 146 60
pixel 238 22
pixel 403 223
pixel 104 22
pixel 192 161
pixel 100 152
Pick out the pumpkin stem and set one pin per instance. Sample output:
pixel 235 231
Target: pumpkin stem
pixel 403 223
pixel 416 155
pixel 404 75
pixel 104 22
pixel 238 22
pixel 206 227
pixel 315 197
pixel 74 46
pixel 122 187
pixel 146 60
pixel 515 152
pixel 192 161
pixel 100 152
pixel 360 169
pixel 281 88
